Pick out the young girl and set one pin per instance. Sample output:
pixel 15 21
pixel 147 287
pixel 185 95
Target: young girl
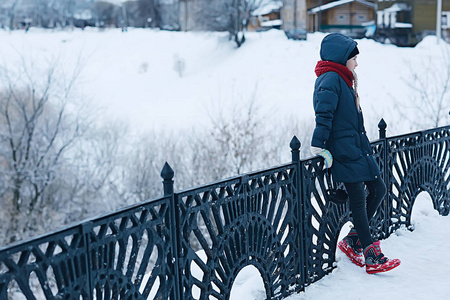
pixel 340 138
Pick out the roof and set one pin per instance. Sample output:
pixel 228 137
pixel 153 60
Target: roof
pixel 397 7
pixel 267 6
pixel 339 3
pixel 272 23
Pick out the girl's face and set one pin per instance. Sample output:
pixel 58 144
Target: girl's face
pixel 352 64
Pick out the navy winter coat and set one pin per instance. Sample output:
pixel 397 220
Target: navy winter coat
pixel 339 124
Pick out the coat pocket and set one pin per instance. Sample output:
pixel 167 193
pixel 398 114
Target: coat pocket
pixel 345 146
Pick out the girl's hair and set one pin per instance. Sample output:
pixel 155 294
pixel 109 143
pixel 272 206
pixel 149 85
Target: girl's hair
pixel 355 85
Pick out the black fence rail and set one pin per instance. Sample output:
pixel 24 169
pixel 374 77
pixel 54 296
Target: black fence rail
pixel 192 244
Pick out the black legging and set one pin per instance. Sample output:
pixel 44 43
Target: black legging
pixel 363 208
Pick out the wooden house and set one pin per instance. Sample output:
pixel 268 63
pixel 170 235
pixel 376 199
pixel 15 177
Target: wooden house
pixel 266 16
pixel 406 22
pixel 294 14
pixel 351 17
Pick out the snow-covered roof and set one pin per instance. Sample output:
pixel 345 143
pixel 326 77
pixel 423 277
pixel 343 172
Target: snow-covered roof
pixel 402 25
pixel 339 3
pixel 267 7
pixel 397 7
pixel 272 23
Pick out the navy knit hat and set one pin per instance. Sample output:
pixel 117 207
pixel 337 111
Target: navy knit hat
pixel 353 53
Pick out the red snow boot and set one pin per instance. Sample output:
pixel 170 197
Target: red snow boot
pixel 351 246
pixel 376 262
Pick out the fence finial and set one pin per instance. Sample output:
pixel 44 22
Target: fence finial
pixel 295 149
pixel 382 128
pixel 167 174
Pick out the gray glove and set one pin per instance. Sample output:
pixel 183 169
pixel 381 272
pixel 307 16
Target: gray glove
pixel 328 158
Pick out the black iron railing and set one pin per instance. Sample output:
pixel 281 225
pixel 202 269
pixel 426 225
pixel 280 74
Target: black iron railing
pixel 192 244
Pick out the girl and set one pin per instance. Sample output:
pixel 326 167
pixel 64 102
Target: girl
pixel 340 138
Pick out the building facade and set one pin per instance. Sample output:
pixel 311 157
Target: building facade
pixel 294 14
pixel 352 17
pixel 406 22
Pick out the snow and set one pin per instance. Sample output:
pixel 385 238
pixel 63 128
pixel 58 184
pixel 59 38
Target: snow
pixel 271 23
pixel 134 77
pixel 423 273
pixel 335 4
pixel 397 7
pixel 402 25
pixel 266 7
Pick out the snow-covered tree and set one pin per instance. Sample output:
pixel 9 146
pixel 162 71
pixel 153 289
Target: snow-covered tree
pixel 36 132
pixel 228 15
pixel 429 93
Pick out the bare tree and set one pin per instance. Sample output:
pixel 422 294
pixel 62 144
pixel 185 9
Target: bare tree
pixel 150 11
pixel 36 132
pixel 106 13
pixel 240 13
pixel 430 91
pixel 11 10
pixel 45 12
pixel 228 15
pixel 50 13
pixel 170 14
pixel 237 142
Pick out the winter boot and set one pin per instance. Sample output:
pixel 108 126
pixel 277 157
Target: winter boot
pixel 376 262
pixel 351 246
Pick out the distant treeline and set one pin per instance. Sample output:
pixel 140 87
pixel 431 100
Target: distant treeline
pixel 215 15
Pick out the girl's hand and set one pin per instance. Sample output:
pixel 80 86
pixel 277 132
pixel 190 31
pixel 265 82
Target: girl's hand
pixel 328 158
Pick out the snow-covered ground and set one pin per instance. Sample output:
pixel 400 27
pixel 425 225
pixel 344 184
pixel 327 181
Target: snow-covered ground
pixel 423 273
pixel 156 80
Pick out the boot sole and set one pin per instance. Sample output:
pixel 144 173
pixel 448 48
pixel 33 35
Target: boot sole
pixel 349 256
pixel 388 268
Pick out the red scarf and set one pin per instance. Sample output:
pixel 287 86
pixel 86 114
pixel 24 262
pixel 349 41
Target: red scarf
pixel 325 66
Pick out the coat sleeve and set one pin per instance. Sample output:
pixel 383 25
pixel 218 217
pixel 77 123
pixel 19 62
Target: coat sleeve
pixel 325 102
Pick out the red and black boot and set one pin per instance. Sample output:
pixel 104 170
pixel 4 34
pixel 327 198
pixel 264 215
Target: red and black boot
pixel 351 246
pixel 375 260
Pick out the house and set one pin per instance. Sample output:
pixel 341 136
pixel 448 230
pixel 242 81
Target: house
pixel 293 14
pixel 192 15
pixel 266 16
pixel 406 22
pixel 351 17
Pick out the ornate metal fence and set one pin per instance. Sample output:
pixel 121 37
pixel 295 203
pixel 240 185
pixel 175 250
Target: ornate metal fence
pixel 192 244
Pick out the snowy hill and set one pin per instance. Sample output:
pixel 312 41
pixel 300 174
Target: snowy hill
pixel 155 79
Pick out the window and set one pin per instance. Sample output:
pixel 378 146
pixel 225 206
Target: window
pixel 445 19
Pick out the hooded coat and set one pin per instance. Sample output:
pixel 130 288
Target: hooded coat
pixel 339 122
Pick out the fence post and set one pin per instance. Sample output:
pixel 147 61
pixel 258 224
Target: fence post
pixel 295 151
pixel 382 128
pixel 387 208
pixel 86 229
pixel 167 175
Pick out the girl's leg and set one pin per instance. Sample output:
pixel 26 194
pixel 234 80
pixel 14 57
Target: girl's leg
pixel 377 191
pixel 357 197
